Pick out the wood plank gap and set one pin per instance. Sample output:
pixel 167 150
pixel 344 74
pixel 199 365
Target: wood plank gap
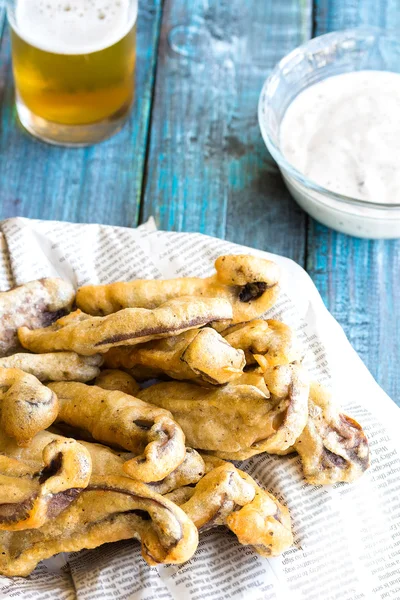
pixel 314 24
pixel 150 120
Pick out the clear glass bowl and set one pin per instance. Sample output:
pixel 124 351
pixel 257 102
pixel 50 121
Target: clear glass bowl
pixel 324 56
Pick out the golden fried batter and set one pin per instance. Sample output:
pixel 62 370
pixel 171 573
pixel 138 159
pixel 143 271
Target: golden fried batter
pixel 119 419
pixel 249 283
pixel 38 482
pixel 253 377
pixel 111 508
pixel 106 461
pixel 181 495
pixel 34 304
pixel 238 421
pixel 268 343
pixel 195 354
pixel 187 473
pixel 332 447
pixel 55 366
pixel 26 406
pixel 228 496
pixel 90 335
pixel 113 379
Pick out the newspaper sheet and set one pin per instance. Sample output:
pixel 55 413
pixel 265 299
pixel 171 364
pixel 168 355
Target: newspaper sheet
pixel 347 536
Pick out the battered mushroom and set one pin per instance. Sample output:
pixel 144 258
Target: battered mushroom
pixel 332 447
pixel 249 283
pixel 268 343
pixel 90 335
pixel 196 354
pixel 26 406
pixel 121 420
pixel 109 509
pixel 38 482
pixel 106 461
pixel 253 377
pixel 114 379
pixel 228 496
pixel 189 472
pixel 55 366
pixel 238 421
pixel 34 304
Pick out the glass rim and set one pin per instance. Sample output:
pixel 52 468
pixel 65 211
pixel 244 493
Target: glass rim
pixel 274 149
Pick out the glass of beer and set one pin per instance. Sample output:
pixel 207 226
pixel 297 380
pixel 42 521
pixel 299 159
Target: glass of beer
pixel 74 65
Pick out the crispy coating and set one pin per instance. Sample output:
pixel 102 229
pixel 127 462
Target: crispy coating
pixel 288 387
pixel 106 461
pixel 249 283
pixel 114 379
pixel 211 461
pixel 90 335
pixel 187 473
pixel 34 304
pixel 196 354
pixel 253 377
pixel 38 482
pixel 332 447
pixel 26 406
pixel 181 495
pixel 109 509
pixel 55 366
pixel 228 496
pixel 238 421
pixel 122 420
pixel 266 342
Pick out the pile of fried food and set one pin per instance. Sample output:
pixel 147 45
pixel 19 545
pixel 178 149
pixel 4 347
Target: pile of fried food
pixel 88 455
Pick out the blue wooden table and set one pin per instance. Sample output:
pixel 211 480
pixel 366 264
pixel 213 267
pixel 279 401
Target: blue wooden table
pixel 192 155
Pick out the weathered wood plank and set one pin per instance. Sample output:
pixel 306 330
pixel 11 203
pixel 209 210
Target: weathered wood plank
pixel 330 15
pixel 358 279
pixel 96 184
pixel 208 169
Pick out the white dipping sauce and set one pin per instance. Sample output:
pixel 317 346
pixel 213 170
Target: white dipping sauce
pixel 344 134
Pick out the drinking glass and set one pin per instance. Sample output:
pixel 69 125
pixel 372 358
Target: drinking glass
pixel 73 64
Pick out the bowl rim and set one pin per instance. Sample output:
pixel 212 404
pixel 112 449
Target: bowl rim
pixel 282 162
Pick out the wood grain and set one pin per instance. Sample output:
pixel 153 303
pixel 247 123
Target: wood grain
pixel 330 15
pixel 96 184
pixel 208 169
pixel 358 279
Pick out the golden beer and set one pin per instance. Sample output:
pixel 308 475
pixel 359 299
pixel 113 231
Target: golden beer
pixel 71 96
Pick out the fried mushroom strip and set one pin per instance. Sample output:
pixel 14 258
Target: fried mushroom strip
pixel 228 496
pixel 111 508
pixel 249 283
pixel 55 366
pixel 38 482
pixel 90 335
pixel 195 354
pixel 266 342
pixel 237 421
pixel 106 461
pixel 187 473
pixel 122 420
pixel 34 304
pixel 26 406
pixel 253 377
pixel 332 447
pixel 114 379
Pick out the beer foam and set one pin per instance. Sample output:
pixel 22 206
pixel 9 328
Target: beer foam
pixel 73 26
